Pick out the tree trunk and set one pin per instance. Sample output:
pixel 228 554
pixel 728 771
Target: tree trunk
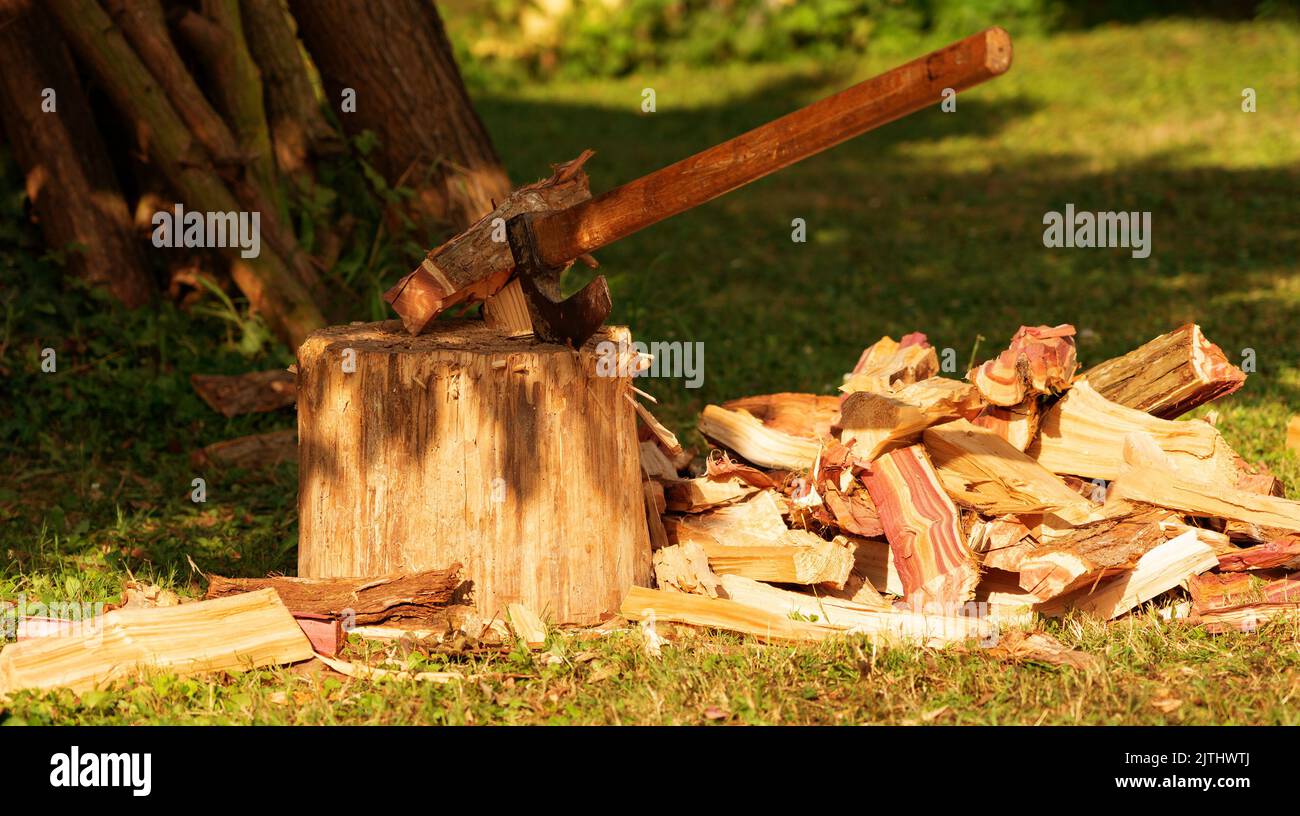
pixel 69 177
pixel 299 129
pixel 512 457
pixel 395 56
pixel 272 289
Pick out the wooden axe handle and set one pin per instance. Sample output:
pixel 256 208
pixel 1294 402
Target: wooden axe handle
pixel 566 234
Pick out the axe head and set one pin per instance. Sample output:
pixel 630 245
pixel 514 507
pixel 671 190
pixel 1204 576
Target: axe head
pixel 572 320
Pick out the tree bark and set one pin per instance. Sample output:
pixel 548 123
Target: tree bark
pixel 68 174
pixel 395 55
pixel 272 289
pixel 299 129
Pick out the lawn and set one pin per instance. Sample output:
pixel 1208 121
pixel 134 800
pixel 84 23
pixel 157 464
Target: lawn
pixel 932 224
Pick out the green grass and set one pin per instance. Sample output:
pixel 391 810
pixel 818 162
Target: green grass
pixel 931 224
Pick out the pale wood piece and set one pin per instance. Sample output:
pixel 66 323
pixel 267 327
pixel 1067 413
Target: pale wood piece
pixel 655 464
pixel 1168 376
pixel 415 597
pixel 685 568
pixel 886 365
pixel 512 457
pixel 748 436
pixel 809 416
pixel 1040 360
pixel 244 631
pixel 1159 570
pixel 1002 543
pixel 253 451
pixel 754 522
pixel 1018 424
pixel 657 605
pixel 702 493
pixel 1165 488
pixel 923 528
pixel 1092 553
pixel 507 311
pixel 879 624
pixel 980 469
pixel 255 392
pixel 812 560
pixel 874 562
pixel 1083 435
pixel 875 423
pixel 527 626
pixel 655 504
pixel 666 438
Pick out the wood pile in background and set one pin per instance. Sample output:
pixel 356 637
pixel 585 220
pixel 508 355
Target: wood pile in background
pixel 1026 489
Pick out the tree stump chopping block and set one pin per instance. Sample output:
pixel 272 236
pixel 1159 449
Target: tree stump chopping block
pixel 516 458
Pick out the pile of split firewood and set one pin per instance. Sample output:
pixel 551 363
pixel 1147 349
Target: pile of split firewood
pixel 934 509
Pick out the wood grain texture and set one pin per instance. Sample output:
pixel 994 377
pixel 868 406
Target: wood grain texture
pixel 807 560
pixel 1165 488
pixel 923 528
pixel 509 456
pixel 1091 553
pixel 745 434
pixel 249 630
pixel 1084 435
pixel 656 605
pixel 874 423
pixel 1039 360
pixel 1168 376
pixel 1161 569
pixel 888 364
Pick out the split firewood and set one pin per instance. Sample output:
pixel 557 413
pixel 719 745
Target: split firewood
pixel 249 393
pixel 1280 553
pixel 255 450
pixel 1161 569
pixel 1006 601
pixel 1092 553
pixel 886 365
pixel 1002 543
pixel 1040 360
pixel 528 628
pixel 1212 591
pixel 720 467
pixel 1257 478
pixel 655 503
pixel 228 634
pixel 745 434
pixel 1168 376
pixel 703 493
pixel 880 625
pixel 1083 434
pixel 685 568
pixel 807 559
pixel 874 423
pixel 656 605
pixel 980 469
pixel 804 415
pixel 923 528
pixel 753 522
pixel 324 632
pixel 1018 424
pixel 666 438
pixel 1165 488
pixel 875 564
pixel 403 596
pixel 853 512
pixel 655 464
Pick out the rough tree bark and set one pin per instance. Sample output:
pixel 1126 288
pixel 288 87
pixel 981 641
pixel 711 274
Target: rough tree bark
pixel 299 129
pixel 272 289
pixel 68 174
pixel 395 55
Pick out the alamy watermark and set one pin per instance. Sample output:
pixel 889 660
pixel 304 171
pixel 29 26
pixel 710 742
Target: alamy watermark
pixel 669 359
pixel 209 230
pixel 1101 229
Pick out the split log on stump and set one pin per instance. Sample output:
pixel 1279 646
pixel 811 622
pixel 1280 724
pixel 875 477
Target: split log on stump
pixel 420 596
pixel 1168 376
pixel 249 393
pixel 923 528
pixel 247 631
pixel 1040 360
pixel 886 365
pixel 512 457
pixel 1084 433
pixel 874 423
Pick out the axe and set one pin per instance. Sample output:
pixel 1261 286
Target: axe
pixel 542 228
